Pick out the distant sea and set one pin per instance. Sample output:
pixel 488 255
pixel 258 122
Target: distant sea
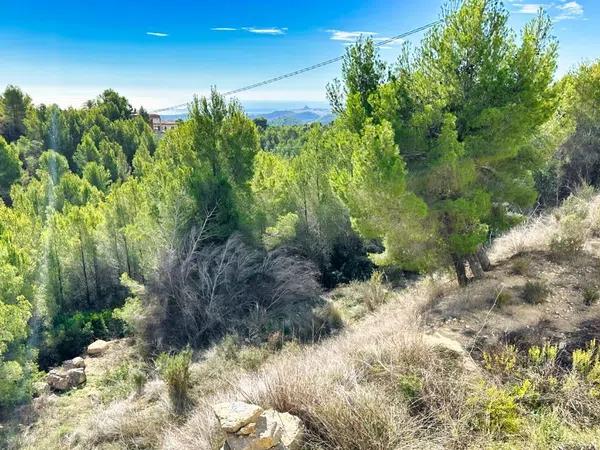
pixel 276 112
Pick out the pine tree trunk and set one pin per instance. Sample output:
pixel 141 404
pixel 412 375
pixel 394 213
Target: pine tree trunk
pixel 459 267
pixel 483 259
pixel 475 266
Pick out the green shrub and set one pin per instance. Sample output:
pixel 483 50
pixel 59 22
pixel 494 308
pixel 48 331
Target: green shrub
pixel 569 240
pixel 229 347
pixel 578 204
pixel 411 387
pixel 326 319
pixel 71 334
pixel 520 266
pixel 116 382
pixel 251 358
pixel 139 379
pixel 130 314
pixel 586 362
pixel 175 371
pixel 503 298
pixel 495 411
pixel 591 295
pixel 535 292
pixel 542 355
pixel 502 361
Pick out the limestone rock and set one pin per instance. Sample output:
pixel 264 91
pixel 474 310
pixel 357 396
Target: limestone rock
pixel 58 380
pixel 235 415
pixel 293 431
pixel 76 376
pixel 75 363
pixel 248 427
pixel 63 380
pixel 268 429
pixel 97 348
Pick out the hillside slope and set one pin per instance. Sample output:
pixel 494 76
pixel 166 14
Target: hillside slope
pixel 436 366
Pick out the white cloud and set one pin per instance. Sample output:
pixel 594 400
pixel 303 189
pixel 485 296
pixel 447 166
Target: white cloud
pixel 224 29
pixel 272 30
pixel 348 36
pixel 156 33
pixel 529 8
pixel 569 10
pixel 559 10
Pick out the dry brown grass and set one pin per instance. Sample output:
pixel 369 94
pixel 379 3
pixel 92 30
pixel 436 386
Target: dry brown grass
pixel 345 389
pixel 538 233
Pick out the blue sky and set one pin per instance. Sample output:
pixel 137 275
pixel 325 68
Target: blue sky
pixel 160 53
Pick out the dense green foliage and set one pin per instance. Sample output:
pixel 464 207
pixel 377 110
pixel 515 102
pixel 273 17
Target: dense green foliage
pixel 227 225
pixel 441 143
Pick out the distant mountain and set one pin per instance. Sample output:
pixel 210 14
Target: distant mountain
pixel 290 116
pixel 296 116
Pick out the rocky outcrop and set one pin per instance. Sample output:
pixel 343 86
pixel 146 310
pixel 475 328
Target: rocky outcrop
pixel 249 427
pixel 97 348
pixel 75 363
pixel 71 374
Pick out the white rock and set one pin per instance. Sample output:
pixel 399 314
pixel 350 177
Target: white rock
pixel 234 415
pixel 293 431
pixel 97 348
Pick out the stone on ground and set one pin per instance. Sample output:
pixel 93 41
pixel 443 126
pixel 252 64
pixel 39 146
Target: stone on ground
pixel 75 363
pixel 64 379
pixel 235 415
pixel 248 427
pixel 97 348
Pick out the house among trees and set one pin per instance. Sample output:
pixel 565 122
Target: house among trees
pixel 159 125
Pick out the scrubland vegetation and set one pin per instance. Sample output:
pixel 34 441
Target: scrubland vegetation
pixel 312 269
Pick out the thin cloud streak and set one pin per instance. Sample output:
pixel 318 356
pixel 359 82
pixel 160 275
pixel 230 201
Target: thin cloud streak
pixel 156 34
pixel 223 29
pixel 348 36
pixel 272 30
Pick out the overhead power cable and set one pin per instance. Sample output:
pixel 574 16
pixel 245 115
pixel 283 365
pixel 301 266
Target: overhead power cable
pixel 309 68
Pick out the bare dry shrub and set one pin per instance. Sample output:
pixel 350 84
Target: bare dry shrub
pixel 373 292
pixel 204 290
pixel 531 235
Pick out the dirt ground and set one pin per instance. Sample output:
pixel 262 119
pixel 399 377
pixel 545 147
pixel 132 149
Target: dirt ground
pixel 493 310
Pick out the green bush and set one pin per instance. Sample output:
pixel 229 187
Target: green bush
pixel 71 334
pixel 130 314
pixel 411 387
pixel 495 411
pixel 175 371
pixel 591 295
pixel 535 292
pixel 138 377
pixel 520 266
pixel 503 298
pixel 569 240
